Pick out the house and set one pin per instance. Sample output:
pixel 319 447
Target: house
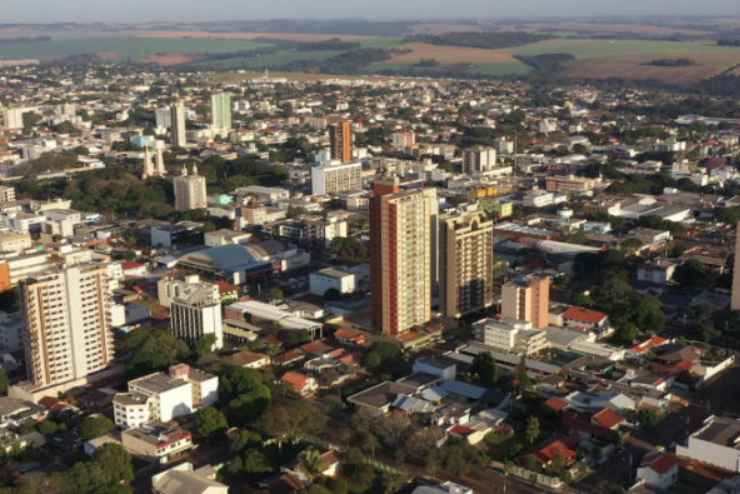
pixel 157 441
pixel 608 419
pixel 658 470
pixel 649 344
pixel 133 269
pixel 441 367
pixel 350 337
pixel 582 319
pixel 715 443
pixel 659 272
pixel 300 383
pixel 249 360
pixel 184 479
pixel 558 448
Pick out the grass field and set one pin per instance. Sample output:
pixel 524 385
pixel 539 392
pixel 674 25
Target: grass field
pixel 137 49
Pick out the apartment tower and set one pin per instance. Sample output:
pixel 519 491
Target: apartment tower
pixel 190 190
pixel 221 112
pixel 402 255
pixel 466 263
pixel 527 298
pixel 735 301
pixel 340 135
pixel 178 125
pixel 69 334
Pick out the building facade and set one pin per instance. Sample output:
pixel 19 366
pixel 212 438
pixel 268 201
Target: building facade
pixel 190 191
pixel 178 125
pixel 336 178
pixel 402 255
pixel 69 334
pixel 341 141
pixel 221 112
pixel 479 160
pixel 466 263
pixel 527 299
pixel 195 313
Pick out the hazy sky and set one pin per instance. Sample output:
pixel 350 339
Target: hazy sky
pixel 188 10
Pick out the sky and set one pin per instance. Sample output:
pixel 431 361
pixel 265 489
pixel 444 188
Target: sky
pixel 205 10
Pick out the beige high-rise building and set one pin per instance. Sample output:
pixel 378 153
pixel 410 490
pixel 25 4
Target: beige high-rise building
pixel 466 263
pixel 735 301
pixel 7 194
pixel 68 333
pixel 402 255
pixel 190 190
pixel 336 178
pixel 527 299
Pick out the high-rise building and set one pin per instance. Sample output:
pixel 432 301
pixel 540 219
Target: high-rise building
pixel 735 301
pixel 527 298
pixel 178 119
pixel 479 160
pixel 466 263
pixel 13 118
pixel 221 112
pixel 68 333
pixel 402 255
pixel 163 117
pixel 342 142
pixel 190 190
pixel 7 194
pixel 195 313
pixel 335 178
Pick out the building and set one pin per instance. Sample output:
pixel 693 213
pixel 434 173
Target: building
pixel 7 194
pixel 68 333
pixel 169 288
pixel 163 117
pixel 735 303
pixel 715 443
pixel 184 479
pixel 658 470
pixel 327 279
pixel 190 190
pixel 157 441
pixel 510 336
pixel 13 118
pixel 527 299
pixel 221 112
pixel 336 177
pixel 571 184
pixel 466 263
pixel 402 255
pixel 162 397
pixel 11 241
pixel 341 141
pixel 195 312
pixel 403 140
pixel 178 126
pixel 479 160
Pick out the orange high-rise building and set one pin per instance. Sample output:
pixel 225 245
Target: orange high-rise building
pixel 402 255
pixel 340 135
pixel 527 299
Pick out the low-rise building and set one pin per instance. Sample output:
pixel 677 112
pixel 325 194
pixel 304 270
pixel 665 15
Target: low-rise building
pixel 157 441
pixel 715 443
pixel 508 335
pixel 332 279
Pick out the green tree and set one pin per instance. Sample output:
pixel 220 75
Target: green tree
pixel 255 463
pixel 276 294
pixel 532 432
pixel 484 370
pixel 693 274
pixel 115 463
pixel 288 418
pixel 94 426
pixel 210 423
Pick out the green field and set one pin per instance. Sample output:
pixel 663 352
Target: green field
pixel 592 48
pixel 276 59
pixel 129 48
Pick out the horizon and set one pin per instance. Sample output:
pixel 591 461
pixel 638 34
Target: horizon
pixel 180 11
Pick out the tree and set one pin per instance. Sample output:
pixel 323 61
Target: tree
pixel 115 463
pixel 204 345
pixel 255 463
pixel 693 274
pixel 210 423
pixel 4 381
pixel 94 426
pixel 288 418
pixel 628 333
pixel 276 294
pixel 244 393
pixel 532 431
pixel 484 370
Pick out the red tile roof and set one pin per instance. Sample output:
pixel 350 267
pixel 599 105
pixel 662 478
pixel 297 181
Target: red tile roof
pixel 649 344
pixel 584 315
pixel 663 464
pixel 296 380
pixel 317 347
pixel 607 418
pixel 555 449
pixel 556 404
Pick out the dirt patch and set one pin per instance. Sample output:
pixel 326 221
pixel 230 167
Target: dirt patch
pixel 297 37
pixel 108 56
pixel 633 67
pixel 448 54
pixel 167 59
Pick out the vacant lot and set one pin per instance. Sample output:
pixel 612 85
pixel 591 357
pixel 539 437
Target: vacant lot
pixel 448 54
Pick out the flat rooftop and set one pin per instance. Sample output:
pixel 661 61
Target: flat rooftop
pixel 721 430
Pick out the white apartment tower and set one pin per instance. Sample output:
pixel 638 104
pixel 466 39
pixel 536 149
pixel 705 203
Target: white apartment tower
pixel 68 332
pixel 221 112
pixel 336 177
pixel 195 312
pixel 479 160
pixel 178 125
pixel 190 190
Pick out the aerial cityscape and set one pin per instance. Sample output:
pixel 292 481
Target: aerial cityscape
pixel 443 252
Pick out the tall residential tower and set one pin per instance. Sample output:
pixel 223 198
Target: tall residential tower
pixel 178 124
pixel 342 142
